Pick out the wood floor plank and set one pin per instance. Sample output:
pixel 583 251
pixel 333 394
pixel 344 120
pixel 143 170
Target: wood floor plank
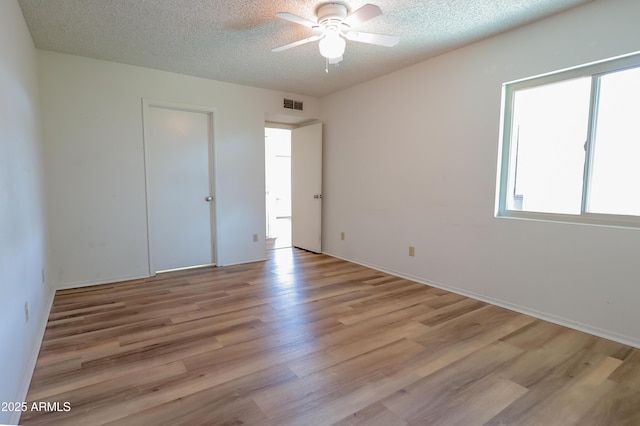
pixel 475 404
pixel 619 406
pixel 565 394
pixel 438 392
pixel 308 339
pixel 47 388
pixel 197 407
pixel 333 382
pixel 373 415
pixel 111 391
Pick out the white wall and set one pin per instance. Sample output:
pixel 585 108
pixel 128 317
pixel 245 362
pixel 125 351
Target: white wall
pixel 22 224
pixel 411 159
pixel 92 124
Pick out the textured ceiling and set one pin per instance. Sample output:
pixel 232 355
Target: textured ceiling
pixel 231 40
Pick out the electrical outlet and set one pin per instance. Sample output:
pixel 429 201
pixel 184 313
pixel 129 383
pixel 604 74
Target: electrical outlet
pixel 342 236
pixel 255 238
pixel 26 311
pixel 412 251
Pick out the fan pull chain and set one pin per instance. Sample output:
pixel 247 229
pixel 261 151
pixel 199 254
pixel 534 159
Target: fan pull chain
pixel 326 67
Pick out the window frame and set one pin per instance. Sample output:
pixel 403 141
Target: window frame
pixel 593 70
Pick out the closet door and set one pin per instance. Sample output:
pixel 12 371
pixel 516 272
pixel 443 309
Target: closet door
pixel 179 188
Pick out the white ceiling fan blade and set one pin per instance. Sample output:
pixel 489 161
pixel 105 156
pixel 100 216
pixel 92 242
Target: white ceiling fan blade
pixel 297 43
pixel 296 19
pixel 363 14
pixel 378 39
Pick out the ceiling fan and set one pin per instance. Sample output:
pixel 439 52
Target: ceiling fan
pixel 335 27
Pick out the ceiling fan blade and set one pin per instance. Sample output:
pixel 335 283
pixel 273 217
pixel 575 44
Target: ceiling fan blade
pixel 363 14
pixel 297 43
pixel 296 19
pixel 378 39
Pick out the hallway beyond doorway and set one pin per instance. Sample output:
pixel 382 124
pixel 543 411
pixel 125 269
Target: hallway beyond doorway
pixel 278 187
pixel 282 234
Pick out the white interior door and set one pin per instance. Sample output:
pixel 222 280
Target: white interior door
pixel 179 188
pixel 306 187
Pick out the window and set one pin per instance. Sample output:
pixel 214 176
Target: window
pixel 571 145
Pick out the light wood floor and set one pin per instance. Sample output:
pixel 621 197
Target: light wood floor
pixel 307 339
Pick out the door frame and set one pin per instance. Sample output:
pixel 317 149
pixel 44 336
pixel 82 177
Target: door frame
pixel 211 119
pixel 271 125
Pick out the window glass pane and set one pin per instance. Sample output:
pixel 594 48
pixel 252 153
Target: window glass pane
pixel 615 167
pixel 549 130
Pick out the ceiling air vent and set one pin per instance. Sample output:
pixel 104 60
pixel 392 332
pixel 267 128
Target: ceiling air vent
pixel 291 104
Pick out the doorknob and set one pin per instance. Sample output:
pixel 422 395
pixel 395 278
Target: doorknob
pixel 209 198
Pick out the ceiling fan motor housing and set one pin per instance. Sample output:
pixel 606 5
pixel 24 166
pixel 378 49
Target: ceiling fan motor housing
pixel 331 14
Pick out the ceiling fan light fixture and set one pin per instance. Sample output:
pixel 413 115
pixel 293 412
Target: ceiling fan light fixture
pixel 332 45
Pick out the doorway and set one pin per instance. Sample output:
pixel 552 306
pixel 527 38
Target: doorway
pixel 178 146
pixel 278 187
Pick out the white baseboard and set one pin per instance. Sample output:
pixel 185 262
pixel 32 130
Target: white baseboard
pixel 112 280
pixel 33 358
pixel 575 325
